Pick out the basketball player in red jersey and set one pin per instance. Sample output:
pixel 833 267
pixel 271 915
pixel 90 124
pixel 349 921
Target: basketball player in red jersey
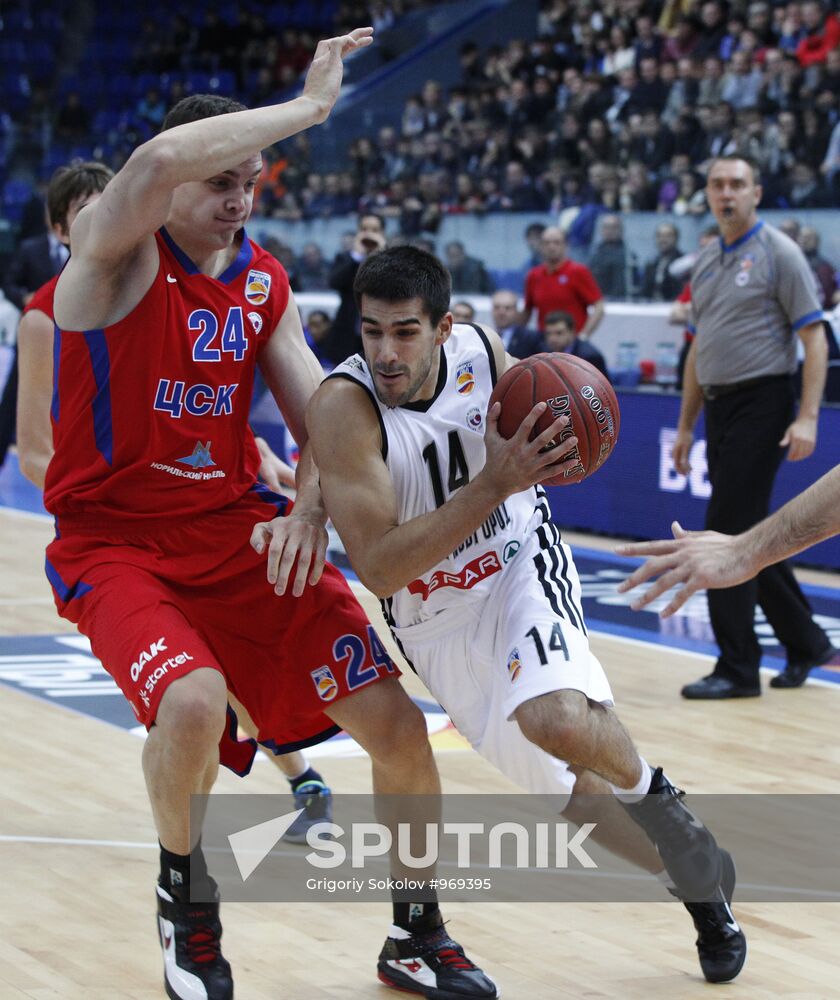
pixel 162 313
pixel 71 188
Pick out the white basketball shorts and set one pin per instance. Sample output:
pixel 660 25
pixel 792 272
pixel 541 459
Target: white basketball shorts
pixel 525 640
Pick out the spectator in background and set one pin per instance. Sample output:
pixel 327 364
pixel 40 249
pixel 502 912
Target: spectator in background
pixel 712 29
pixel 710 86
pixel 312 270
pixel 791 228
pixel 518 191
pixel 806 190
pixel 657 283
pixel 317 332
pixel 822 34
pixel 285 254
pixel 742 82
pixel 72 123
pixel 560 337
pixel 533 237
pixel 809 241
pixel 344 338
pixel 463 312
pixel 151 109
pixel 561 283
pixel 468 273
pixel 608 261
pixel 519 340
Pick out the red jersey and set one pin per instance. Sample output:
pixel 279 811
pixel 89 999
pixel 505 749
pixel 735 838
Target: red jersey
pixel 42 300
pixel 570 288
pixel 150 415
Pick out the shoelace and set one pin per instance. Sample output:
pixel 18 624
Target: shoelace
pixel 441 946
pixel 203 944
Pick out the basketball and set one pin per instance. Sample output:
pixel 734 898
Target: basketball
pixel 570 386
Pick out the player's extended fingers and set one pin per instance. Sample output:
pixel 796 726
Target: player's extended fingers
pixel 356 39
pixel 546 438
pixel 653 567
pixel 523 431
pixel 319 559
pixel 305 552
pixel 285 565
pixel 657 588
pixel 260 536
pixel 659 548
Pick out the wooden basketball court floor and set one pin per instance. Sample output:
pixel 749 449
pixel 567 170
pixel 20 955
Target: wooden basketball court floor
pixel 79 856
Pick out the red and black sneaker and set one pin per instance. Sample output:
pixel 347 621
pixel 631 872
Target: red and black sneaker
pixel 190 936
pixel 432 965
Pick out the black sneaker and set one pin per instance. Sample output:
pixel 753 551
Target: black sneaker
pixel 432 965
pixel 190 936
pixel 316 801
pixel 721 943
pixel 688 850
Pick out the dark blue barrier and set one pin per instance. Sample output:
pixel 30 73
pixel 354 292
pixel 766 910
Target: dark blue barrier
pixel 638 493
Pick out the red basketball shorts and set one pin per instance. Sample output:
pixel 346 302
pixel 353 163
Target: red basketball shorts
pixel 157 605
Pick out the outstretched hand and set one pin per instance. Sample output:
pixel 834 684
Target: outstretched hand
pixel 696 559
pixel 323 80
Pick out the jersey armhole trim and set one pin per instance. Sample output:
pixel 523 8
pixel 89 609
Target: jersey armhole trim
pixel 491 357
pixel 373 403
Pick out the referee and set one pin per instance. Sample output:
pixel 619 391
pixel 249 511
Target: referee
pixel 752 295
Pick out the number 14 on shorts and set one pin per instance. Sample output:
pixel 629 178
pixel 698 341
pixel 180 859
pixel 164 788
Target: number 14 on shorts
pixel 556 642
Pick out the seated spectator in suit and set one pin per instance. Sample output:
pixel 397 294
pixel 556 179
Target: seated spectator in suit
pixel 463 312
pixel 520 341
pixel 657 283
pixel 560 336
pixel 468 273
pixel 608 262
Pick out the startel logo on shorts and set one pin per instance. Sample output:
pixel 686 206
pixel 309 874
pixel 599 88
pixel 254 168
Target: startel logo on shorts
pixel 481 567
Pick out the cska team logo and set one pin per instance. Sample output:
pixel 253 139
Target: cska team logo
pixel 325 683
pixel 257 287
pixel 465 378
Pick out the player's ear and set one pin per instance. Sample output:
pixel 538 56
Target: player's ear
pixel 444 328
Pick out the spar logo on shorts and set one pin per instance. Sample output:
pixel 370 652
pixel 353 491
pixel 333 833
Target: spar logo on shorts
pixel 514 664
pixel 325 683
pixel 257 287
pixel 474 572
pixel 465 378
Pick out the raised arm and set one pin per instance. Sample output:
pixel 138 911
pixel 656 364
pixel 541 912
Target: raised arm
pixel 360 498
pixel 118 229
pixel 35 388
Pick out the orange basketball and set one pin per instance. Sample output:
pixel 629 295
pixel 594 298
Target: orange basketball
pixel 570 386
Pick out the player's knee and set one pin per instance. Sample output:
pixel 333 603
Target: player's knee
pixel 193 708
pixel 554 722
pixel 403 737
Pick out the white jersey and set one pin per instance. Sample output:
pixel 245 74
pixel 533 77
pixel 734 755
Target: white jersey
pixel 434 447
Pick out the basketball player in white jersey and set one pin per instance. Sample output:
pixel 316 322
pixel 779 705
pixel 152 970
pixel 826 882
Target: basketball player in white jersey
pixel 442 518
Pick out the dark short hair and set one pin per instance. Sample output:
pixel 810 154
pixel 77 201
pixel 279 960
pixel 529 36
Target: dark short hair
pixel 77 180
pixel 558 316
pixel 371 215
pixel 730 157
pixel 400 273
pixel 197 107
pixel 318 312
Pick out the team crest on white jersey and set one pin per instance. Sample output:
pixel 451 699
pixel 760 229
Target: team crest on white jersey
pixel 256 321
pixel 474 418
pixel 257 287
pixel 465 378
pixel 325 683
pixel 514 664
